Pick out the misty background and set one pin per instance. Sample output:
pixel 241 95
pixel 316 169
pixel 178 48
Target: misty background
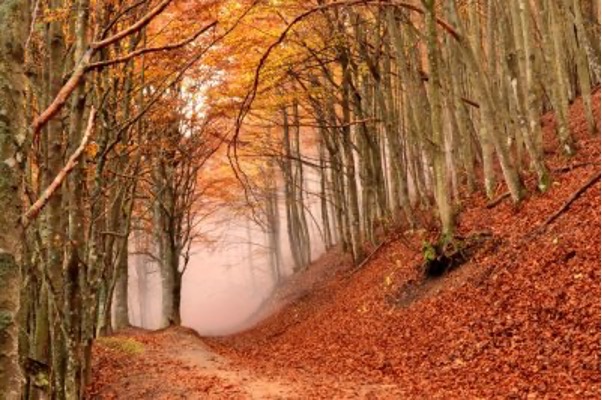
pixel 225 283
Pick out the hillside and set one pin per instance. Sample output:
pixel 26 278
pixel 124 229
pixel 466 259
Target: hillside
pixel 520 319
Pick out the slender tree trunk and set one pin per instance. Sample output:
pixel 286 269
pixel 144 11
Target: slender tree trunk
pixel 42 334
pixel 121 291
pixel 78 300
pixel 168 282
pixel 351 184
pixel 461 117
pixel 142 288
pixel 299 182
pixel 55 219
pixel 526 97
pixel 441 189
pixel 161 246
pixel 324 194
pixel 547 20
pixel 489 118
pixel 584 59
pixel 484 129
pixel 290 195
pixel 273 225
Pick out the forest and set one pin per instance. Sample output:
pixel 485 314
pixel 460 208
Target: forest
pixel 401 198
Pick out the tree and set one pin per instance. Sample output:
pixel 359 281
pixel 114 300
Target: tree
pixel 471 87
pixel 58 171
pixel 12 139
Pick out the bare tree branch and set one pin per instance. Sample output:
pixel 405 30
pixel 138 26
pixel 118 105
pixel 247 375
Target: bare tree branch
pixel 80 70
pixel 36 207
pixel 120 14
pixel 128 57
pixel 132 29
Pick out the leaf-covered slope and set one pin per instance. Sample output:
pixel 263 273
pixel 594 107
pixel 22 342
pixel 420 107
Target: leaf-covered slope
pixel 521 318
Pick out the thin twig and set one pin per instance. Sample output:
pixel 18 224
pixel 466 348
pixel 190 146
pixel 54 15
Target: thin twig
pixel 34 15
pixel 498 200
pixel 575 166
pixel 368 258
pixel 571 199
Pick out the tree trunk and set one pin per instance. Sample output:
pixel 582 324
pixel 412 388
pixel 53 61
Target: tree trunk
pixel 527 95
pixel 299 181
pixel 78 300
pixel 120 300
pixel 13 20
pixel 167 285
pixel 324 193
pixel 175 316
pixel 55 220
pixel 484 130
pixel 585 60
pixel 349 161
pixel 441 189
pixel 490 119
pixel 142 288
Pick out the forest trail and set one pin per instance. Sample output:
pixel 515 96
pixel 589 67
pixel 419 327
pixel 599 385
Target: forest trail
pixel 176 364
pixel 192 351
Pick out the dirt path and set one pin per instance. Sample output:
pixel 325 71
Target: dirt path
pixel 177 364
pixel 254 386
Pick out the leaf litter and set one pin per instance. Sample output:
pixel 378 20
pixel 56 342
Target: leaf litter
pixel 520 319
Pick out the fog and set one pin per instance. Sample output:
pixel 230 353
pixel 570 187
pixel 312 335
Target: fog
pixel 224 285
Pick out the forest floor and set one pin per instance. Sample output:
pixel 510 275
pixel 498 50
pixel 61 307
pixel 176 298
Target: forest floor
pixel 176 364
pixel 520 319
